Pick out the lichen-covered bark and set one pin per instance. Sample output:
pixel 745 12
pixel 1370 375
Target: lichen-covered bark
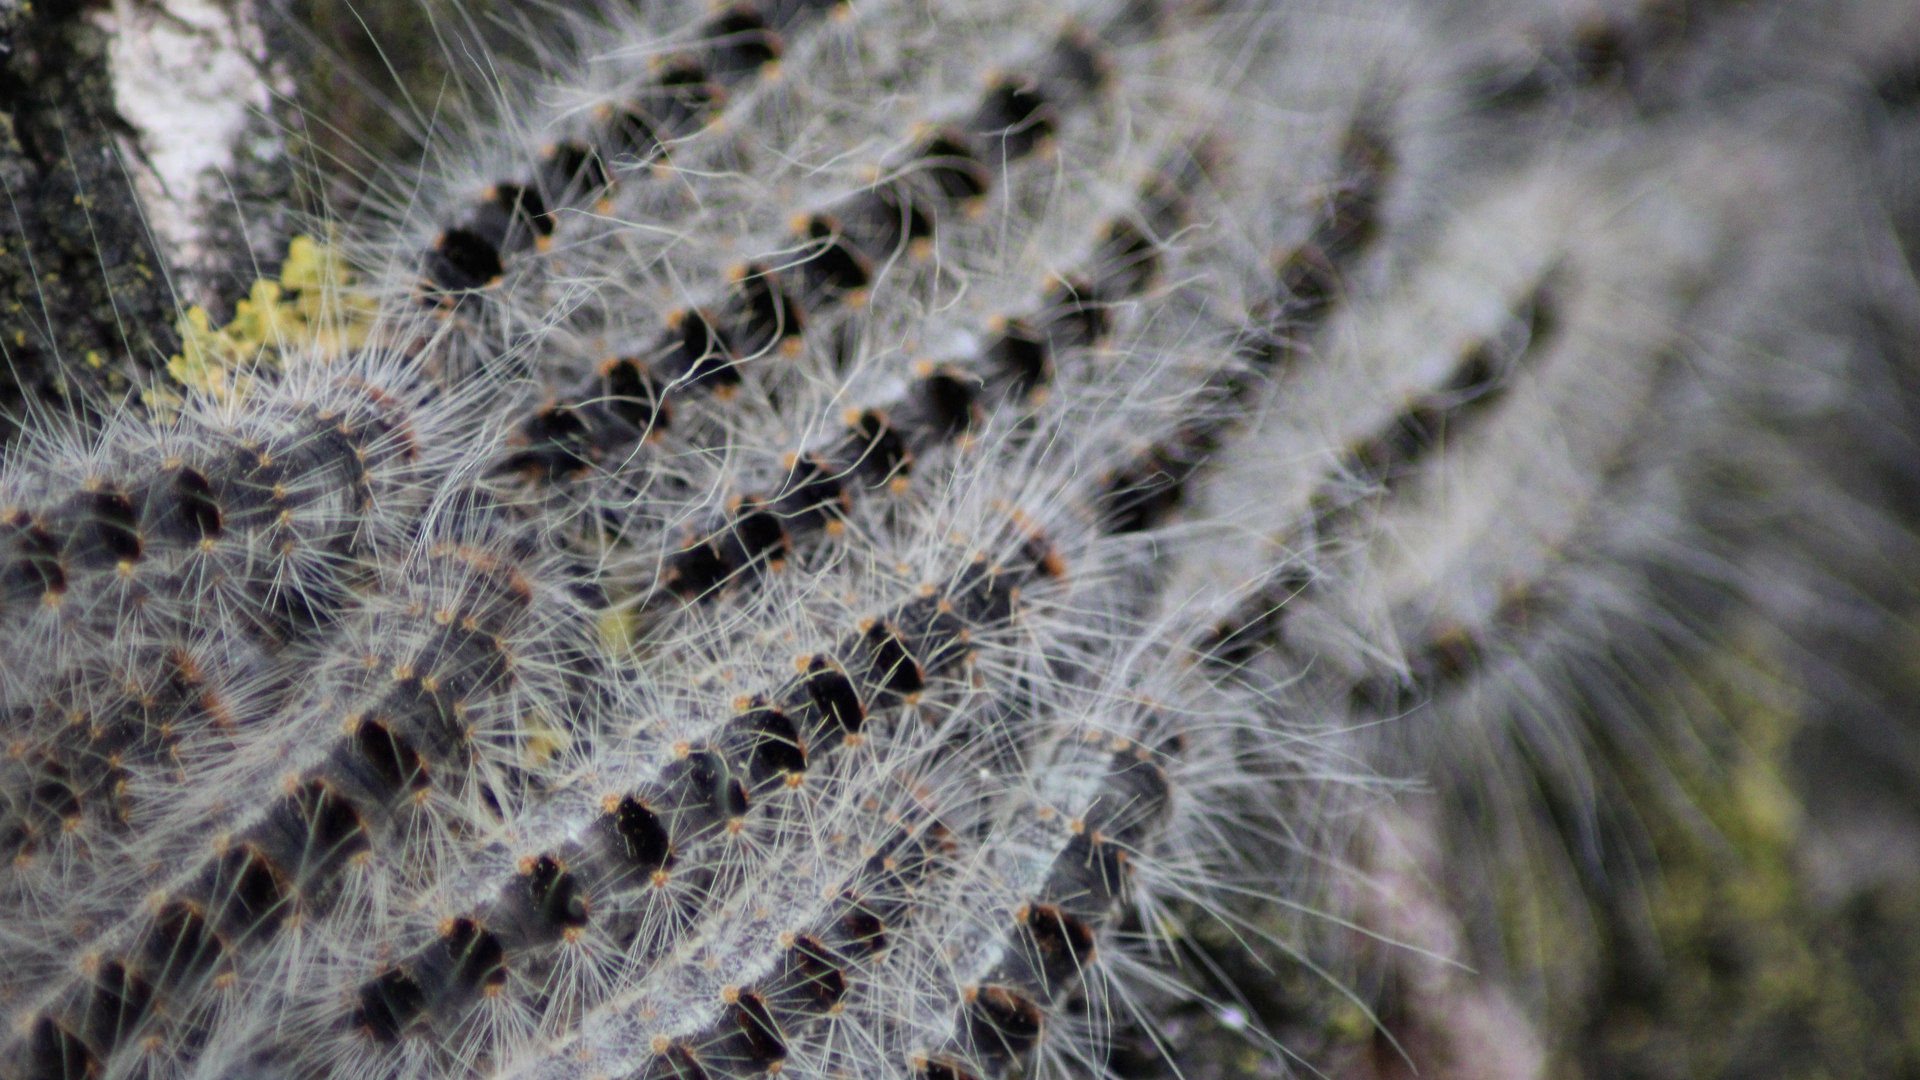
pixel 85 299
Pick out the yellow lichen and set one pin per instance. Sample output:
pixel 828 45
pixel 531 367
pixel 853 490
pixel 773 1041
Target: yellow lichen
pixel 209 360
pixel 313 312
pixel 335 316
pixel 617 629
pixel 543 741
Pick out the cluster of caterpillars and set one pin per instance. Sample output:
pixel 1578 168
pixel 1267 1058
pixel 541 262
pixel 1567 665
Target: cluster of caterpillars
pixel 409 728
pixel 113 588
pixel 409 732
pixel 1375 467
pixel 631 401
pixel 657 840
pixel 417 728
pixel 701 351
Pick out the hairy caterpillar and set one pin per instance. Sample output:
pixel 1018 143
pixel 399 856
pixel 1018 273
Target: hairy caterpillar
pixel 358 847
pixel 1127 418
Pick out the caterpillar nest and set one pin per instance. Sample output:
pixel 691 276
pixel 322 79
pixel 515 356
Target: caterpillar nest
pixel 957 541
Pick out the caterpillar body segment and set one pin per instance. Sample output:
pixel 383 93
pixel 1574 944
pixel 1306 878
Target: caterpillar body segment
pixel 259 518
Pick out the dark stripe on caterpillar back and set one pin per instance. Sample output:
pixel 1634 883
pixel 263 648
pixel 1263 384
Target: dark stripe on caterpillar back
pixel 835 258
pixel 655 843
pixel 1143 494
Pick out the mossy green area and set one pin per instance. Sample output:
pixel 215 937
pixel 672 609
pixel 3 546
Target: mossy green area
pixel 1703 952
pixel 1745 972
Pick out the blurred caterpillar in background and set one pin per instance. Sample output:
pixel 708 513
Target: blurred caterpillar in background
pixel 860 538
